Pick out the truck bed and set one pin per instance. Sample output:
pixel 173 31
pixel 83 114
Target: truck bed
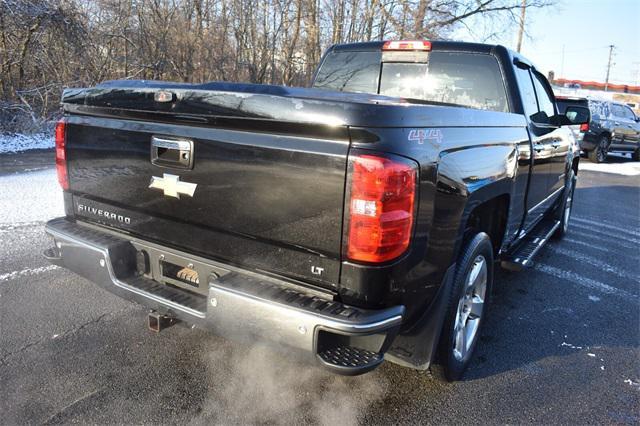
pixel 269 164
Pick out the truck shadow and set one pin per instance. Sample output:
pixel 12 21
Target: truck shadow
pixel 562 308
pixel 569 306
pixel 580 296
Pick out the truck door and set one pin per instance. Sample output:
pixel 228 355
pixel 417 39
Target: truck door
pixel 619 125
pixel 624 126
pixel 541 144
pixel 559 140
pixel 634 125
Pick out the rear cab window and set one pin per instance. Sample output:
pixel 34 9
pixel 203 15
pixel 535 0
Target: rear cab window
pixel 462 78
pixel 356 72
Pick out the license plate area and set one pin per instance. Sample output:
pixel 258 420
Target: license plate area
pixel 183 274
pixel 168 268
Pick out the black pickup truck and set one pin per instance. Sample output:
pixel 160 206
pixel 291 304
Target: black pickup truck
pixel 354 221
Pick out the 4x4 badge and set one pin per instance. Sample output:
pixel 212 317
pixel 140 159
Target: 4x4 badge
pixel 172 186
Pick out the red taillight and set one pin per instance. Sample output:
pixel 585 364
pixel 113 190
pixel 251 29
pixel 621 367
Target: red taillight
pixel 407 45
pixel 61 154
pixel 584 127
pixel 381 207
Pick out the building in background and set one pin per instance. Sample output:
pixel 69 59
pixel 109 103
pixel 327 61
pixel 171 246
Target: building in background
pixel 623 93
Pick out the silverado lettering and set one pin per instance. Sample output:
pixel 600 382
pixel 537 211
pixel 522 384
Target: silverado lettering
pixel 354 221
pixel 99 212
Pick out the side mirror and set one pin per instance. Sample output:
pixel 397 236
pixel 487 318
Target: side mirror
pixel 573 115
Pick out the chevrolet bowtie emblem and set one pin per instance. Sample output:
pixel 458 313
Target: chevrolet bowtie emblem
pixel 172 186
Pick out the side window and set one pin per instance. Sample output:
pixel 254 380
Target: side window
pixel 615 110
pixel 629 114
pixel 619 111
pixel 526 92
pixel 545 100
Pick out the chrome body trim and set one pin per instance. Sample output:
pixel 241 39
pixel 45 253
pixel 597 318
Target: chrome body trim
pixel 240 303
pixel 549 198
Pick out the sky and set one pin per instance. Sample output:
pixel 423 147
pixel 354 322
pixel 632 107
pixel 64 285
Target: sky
pixel 583 29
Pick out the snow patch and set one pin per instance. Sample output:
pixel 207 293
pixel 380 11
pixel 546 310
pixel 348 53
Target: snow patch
pixel 625 169
pixel 30 197
pixel 26 272
pixel 586 282
pixel 608 225
pixel 569 345
pixel 18 142
pixel 593 261
pixel 632 383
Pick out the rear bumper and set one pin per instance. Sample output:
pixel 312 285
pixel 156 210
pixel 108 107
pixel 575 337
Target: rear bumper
pixel 237 303
pixel 587 145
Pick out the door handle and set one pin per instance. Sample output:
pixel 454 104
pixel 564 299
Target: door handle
pixel 538 147
pixel 170 152
pixel 555 145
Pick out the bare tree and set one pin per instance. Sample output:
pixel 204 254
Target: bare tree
pixel 46 45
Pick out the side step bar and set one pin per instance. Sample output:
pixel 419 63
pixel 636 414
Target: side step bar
pixel 522 256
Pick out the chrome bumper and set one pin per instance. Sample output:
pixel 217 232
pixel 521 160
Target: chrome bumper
pixel 239 304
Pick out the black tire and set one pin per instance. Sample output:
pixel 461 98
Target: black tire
pixel 455 353
pixel 563 211
pixel 599 153
pixel 636 155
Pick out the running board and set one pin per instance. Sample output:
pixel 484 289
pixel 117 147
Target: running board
pixel 522 256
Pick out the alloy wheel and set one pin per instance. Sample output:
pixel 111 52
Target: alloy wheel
pixel 470 308
pixel 602 150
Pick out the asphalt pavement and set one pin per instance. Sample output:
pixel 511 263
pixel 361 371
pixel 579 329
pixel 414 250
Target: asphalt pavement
pixel 561 344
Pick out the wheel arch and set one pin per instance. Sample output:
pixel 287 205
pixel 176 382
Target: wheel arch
pixel 490 216
pixel 607 133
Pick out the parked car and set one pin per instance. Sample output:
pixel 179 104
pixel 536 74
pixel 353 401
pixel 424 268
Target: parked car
pixel 357 220
pixel 614 127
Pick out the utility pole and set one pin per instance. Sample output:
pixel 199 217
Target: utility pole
pixel 523 10
pixel 606 82
pixel 637 64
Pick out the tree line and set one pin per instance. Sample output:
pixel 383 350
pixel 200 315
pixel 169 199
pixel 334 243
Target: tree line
pixel 46 45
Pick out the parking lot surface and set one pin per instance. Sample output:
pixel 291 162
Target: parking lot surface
pixel 561 344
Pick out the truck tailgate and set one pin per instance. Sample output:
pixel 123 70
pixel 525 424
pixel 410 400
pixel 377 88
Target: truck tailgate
pixel 264 199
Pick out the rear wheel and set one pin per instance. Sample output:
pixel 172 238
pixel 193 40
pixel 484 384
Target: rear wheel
pixel 636 155
pixel 467 306
pixel 599 153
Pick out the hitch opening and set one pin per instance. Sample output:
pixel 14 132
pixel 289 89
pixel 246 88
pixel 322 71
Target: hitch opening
pixel 158 322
